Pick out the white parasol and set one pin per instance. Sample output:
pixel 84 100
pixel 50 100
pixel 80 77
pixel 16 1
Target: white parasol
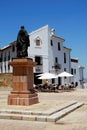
pixel 64 74
pixel 47 76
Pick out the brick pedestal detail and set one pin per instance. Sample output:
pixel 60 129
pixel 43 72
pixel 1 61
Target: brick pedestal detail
pixel 23 79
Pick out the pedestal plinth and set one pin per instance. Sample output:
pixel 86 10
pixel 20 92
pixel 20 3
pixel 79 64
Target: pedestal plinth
pixel 23 79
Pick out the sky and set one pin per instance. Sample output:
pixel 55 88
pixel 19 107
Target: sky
pixel 68 17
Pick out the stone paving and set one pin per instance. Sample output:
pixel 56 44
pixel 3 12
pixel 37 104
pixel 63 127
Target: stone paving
pixel 75 120
pixel 51 115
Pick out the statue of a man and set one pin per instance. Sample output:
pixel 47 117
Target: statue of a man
pixel 23 43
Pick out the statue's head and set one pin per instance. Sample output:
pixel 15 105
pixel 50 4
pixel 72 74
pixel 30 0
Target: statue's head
pixel 22 27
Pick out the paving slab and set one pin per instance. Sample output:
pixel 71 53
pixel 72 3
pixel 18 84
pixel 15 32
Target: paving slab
pixel 76 120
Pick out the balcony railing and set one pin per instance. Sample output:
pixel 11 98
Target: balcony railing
pixel 57 66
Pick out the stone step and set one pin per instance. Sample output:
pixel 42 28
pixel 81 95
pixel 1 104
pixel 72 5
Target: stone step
pixel 45 118
pixel 59 108
pixel 44 113
pixel 60 114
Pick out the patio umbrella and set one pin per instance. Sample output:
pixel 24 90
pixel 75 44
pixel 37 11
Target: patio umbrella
pixel 47 76
pixel 64 74
pixel 40 74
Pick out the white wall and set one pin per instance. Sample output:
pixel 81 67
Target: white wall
pixel 67 65
pixel 42 33
pixel 41 50
pixel 54 52
pixel 75 65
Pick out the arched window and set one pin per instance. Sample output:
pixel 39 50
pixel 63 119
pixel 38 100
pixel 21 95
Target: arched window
pixel 37 41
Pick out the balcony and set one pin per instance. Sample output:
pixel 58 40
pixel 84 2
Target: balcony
pixel 57 67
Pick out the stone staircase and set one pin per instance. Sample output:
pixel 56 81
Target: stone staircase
pixel 51 115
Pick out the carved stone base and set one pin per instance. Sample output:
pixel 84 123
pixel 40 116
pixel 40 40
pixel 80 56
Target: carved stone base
pixel 22 98
pixel 22 93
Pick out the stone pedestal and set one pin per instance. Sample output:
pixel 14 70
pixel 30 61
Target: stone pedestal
pixel 23 79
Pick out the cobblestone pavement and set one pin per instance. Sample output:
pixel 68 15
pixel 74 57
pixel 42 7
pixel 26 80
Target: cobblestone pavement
pixel 76 120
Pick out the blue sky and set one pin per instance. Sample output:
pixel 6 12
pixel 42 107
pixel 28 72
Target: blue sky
pixel 68 17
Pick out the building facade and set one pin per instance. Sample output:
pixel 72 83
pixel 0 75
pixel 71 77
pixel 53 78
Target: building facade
pixel 46 49
pixel 77 71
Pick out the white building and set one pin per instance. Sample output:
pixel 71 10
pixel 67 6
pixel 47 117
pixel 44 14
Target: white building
pixel 46 49
pixel 77 71
pixel 7 53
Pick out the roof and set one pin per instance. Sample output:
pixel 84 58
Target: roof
pixel 74 60
pixel 81 67
pixel 8 46
pixel 54 36
pixel 67 48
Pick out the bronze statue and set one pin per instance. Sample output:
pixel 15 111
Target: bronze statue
pixel 23 43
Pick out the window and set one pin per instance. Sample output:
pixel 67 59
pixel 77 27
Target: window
pixel 51 42
pixel 64 57
pixel 13 48
pixel 71 70
pixel 5 57
pixel 38 60
pixel 38 41
pixel 74 71
pixel 59 46
pixel 56 60
pixel 53 81
pixel 2 55
pixel 9 55
pixel 1 58
pixel 8 67
pixel 64 69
